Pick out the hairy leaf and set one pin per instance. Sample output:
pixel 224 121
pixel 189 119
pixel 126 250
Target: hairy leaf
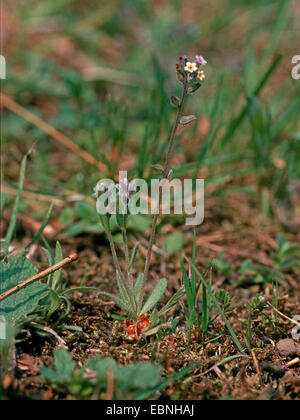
pixel 138 287
pixel 25 301
pixel 155 296
pixel 120 303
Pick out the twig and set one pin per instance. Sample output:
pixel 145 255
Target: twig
pixel 49 330
pixel 51 131
pixel 283 316
pixel 221 362
pixel 256 364
pixel 293 362
pixel 110 384
pixel 38 276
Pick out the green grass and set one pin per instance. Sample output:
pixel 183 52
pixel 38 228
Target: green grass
pixel 135 114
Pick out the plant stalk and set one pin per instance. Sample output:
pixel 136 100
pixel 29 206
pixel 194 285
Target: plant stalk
pixel 156 216
pixel 125 242
pixel 119 271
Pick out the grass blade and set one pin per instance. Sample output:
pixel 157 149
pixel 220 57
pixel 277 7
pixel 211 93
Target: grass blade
pixel 13 220
pixel 42 227
pixel 218 307
pixel 239 119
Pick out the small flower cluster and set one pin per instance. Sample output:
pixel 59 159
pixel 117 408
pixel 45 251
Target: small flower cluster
pixel 118 194
pixel 258 303
pixel 190 71
pixel 124 188
pixel 101 187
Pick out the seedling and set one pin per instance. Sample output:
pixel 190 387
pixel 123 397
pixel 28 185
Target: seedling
pixel 257 308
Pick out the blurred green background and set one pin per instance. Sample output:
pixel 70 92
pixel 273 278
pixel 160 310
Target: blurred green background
pixel 102 72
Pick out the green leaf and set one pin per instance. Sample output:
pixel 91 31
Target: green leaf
pixel 123 292
pixel 139 222
pixel 86 211
pixel 104 222
pixel 13 219
pixel 173 301
pixel 42 227
pixel 230 329
pixel 138 287
pixel 133 256
pixel 236 122
pixel 55 303
pixel 84 227
pixel 64 368
pixel 216 303
pixel 173 242
pixel 120 303
pixel 132 377
pixel 100 365
pixel 57 276
pixel 25 301
pixel 63 363
pixel 187 288
pixel 66 217
pixel 120 219
pixel 155 296
pixel 166 382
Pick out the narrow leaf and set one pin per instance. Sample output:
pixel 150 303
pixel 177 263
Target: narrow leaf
pixel 123 292
pixel 216 303
pixel 42 227
pixel 13 220
pixel 138 287
pixel 133 256
pixel 120 303
pixel 173 301
pixel 57 276
pixel 155 296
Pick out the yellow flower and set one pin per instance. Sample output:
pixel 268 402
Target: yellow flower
pixel 191 67
pixel 201 75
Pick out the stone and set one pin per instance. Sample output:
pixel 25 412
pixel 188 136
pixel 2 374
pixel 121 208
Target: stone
pixel 288 347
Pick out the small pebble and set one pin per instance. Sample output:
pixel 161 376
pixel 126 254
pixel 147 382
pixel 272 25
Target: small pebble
pixel 288 347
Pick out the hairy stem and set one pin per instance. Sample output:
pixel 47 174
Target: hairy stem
pixel 119 271
pixel 165 171
pixel 125 242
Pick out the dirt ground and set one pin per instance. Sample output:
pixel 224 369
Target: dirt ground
pixel 264 375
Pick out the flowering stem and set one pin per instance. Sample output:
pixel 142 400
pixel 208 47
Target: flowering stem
pixel 156 216
pixel 125 242
pixel 119 271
